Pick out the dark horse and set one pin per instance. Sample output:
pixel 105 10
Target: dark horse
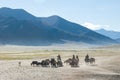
pixel 53 63
pixel 89 60
pixel 34 63
pixel 45 63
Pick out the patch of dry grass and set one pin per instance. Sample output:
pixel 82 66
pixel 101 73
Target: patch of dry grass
pixel 64 53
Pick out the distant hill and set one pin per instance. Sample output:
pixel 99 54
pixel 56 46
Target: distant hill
pixel 20 27
pixel 74 29
pixel 19 14
pixel 111 34
pixel 118 40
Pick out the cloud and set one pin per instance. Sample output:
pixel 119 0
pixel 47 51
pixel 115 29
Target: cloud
pixel 95 26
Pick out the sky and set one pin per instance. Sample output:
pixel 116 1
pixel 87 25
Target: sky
pixel 94 14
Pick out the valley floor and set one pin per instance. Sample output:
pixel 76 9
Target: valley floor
pixel 107 66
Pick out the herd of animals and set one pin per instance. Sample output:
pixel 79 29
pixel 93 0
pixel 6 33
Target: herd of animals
pixel 73 62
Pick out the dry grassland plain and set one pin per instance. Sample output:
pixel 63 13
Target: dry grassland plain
pixel 107 66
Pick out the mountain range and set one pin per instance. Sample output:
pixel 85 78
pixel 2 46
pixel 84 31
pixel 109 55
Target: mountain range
pixel 109 33
pixel 19 27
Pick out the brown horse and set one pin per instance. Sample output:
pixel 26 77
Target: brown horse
pixel 92 60
pixel 68 61
pixel 73 62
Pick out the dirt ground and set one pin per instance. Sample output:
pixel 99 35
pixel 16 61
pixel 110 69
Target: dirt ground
pixel 107 66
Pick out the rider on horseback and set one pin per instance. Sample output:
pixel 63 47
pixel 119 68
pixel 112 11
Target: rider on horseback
pixel 87 56
pixel 59 61
pixel 58 58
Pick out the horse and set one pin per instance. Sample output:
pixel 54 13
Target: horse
pixel 38 63
pixel 72 62
pixel 53 63
pixel 59 61
pixel 45 63
pixel 59 64
pixel 90 60
pixel 87 60
pixel 68 61
pixel 34 63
